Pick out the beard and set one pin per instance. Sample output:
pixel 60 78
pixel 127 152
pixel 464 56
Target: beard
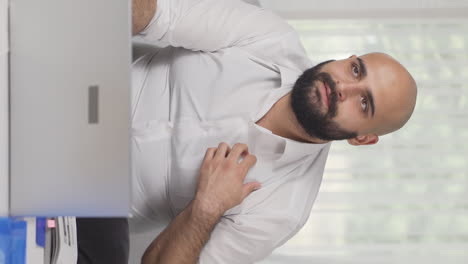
pixel 306 103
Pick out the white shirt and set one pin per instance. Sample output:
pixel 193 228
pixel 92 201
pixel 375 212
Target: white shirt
pixel 228 63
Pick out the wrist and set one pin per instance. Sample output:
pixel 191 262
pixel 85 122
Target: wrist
pixel 204 211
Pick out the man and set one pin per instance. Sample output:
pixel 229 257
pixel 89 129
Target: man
pixel 236 73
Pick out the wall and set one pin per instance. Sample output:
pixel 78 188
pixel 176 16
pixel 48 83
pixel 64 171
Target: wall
pixel 313 9
pixel 4 178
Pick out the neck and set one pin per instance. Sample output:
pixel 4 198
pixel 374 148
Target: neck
pixel 281 121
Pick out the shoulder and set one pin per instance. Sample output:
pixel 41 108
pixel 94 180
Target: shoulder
pixel 283 49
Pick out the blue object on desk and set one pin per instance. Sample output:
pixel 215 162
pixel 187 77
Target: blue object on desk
pixel 41 231
pixel 4 240
pixel 12 241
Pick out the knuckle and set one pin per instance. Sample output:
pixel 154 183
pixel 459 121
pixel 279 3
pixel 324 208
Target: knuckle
pixel 223 144
pixel 228 166
pixel 241 145
pixel 249 157
pixel 253 157
pixel 211 149
pixel 250 160
pixel 208 150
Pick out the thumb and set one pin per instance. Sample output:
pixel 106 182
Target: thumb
pixel 248 188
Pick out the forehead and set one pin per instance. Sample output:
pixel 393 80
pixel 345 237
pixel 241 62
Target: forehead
pixel 385 76
pixel 385 79
pixel 389 81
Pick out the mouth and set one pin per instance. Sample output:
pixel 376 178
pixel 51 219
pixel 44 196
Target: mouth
pixel 325 92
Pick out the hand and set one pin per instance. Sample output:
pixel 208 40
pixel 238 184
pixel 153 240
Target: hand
pixel 220 187
pixel 142 13
pixel 221 183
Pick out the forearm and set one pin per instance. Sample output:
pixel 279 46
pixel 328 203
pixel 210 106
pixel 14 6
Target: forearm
pixel 183 240
pixel 220 187
pixel 142 13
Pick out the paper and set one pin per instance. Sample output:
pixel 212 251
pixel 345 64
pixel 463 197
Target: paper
pixel 34 252
pixel 64 244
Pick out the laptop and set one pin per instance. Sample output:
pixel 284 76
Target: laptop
pixel 70 108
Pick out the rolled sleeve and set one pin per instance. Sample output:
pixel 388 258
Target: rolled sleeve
pixel 210 25
pixel 247 238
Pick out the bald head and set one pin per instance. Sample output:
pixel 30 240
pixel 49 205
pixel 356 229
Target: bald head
pixel 398 92
pixel 358 98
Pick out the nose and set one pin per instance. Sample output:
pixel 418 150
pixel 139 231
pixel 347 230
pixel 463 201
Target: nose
pixel 347 90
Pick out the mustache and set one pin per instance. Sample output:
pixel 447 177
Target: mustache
pixel 333 96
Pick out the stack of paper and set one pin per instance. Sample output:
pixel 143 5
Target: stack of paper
pixel 50 241
pixel 61 242
pixel 34 250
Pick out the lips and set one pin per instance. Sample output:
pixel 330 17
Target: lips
pixel 325 92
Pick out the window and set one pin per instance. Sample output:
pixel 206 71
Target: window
pixel 404 200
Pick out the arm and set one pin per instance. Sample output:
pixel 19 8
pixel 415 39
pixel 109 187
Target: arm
pixel 183 240
pixel 142 13
pixel 220 187
pixel 210 25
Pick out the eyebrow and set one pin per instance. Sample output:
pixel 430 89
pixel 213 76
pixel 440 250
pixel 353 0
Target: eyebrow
pixel 362 67
pixel 371 101
pixel 369 95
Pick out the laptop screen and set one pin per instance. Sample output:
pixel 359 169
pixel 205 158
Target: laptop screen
pixel 69 97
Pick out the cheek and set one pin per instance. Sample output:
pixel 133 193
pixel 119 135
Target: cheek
pixel 339 70
pixel 349 117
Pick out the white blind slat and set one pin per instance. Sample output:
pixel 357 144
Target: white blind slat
pixel 405 200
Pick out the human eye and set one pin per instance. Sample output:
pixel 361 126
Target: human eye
pixel 364 104
pixel 355 70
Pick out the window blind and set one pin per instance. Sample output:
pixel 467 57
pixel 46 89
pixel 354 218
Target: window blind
pixel 404 200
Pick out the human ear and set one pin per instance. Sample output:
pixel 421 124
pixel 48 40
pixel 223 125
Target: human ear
pixel 368 139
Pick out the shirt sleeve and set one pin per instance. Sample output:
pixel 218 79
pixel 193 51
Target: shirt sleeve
pixel 210 25
pixel 268 217
pixel 248 238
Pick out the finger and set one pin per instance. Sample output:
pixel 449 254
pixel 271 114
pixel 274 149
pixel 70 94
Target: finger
pixel 237 150
pixel 209 154
pixel 248 188
pixel 222 151
pixel 248 161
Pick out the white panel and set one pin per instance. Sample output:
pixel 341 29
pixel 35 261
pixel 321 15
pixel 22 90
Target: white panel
pixel 4 184
pixel 313 9
pixel 69 149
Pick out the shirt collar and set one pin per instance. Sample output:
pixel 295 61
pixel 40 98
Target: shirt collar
pixel 289 150
pixel 295 150
pixel 288 75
